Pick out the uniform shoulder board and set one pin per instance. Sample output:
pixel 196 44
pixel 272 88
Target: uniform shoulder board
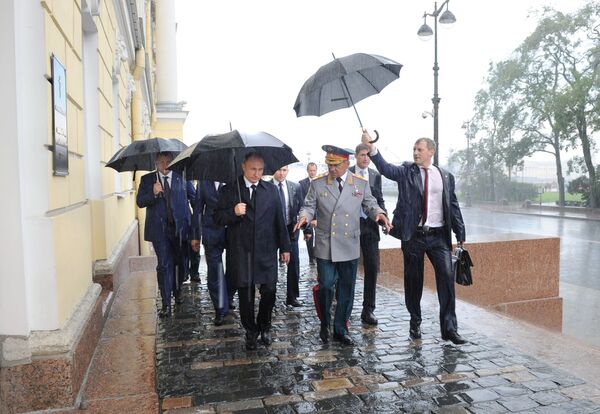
pixel 321 176
pixel 360 177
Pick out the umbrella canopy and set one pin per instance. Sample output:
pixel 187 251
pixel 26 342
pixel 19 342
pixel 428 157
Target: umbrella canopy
pixel 140 155
pixel 344 82
pixel 219 157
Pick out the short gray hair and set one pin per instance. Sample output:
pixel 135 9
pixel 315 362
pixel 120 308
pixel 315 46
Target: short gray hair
pixel 361 147
pixel 428 141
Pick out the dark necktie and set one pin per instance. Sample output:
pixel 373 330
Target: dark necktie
pixel 167 191
pixel 282 200
pixel 425 194
pixel 253 187
pixel 340 186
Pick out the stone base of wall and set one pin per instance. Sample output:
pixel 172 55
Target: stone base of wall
pixel 514 274
pixel 55 371
pixel 47 369
pixel 111 273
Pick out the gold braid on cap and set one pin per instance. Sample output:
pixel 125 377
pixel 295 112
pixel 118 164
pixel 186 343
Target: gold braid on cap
pixel 333 159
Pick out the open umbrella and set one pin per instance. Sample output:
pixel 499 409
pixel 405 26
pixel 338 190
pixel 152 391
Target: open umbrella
pixel 141 154
pixel 345 81
pixel 219 157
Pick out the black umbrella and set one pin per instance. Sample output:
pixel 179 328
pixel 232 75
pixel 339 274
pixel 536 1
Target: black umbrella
pixel 344 82
pixel 140 155
pixel 219 157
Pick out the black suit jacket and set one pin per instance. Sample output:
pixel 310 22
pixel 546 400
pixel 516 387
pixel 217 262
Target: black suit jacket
pixel 371 228
pixel 305 185
pixel 252 240
pixel 295 199
pixel 203 225
pixel 409 207
pixel 182 194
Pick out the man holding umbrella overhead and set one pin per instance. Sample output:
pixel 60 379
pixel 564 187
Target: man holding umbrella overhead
pixel 166 195
pixel 251 210
pixel 337 199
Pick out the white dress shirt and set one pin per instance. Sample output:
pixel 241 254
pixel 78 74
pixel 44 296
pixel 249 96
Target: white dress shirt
pixel 435 207
pixel 286 195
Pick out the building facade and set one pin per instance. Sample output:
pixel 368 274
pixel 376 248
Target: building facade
pixel 80 80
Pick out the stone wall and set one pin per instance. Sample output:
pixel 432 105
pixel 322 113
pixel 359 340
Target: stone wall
pixel 515 274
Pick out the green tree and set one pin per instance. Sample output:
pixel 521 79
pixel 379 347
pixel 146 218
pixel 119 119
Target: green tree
pixel 560 85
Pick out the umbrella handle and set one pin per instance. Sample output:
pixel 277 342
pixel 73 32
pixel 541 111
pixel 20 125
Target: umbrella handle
pixel 376 137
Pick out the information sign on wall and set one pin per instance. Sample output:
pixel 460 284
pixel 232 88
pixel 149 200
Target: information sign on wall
pixel 60 147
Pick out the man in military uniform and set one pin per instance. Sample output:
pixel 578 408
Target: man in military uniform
pixel 337 199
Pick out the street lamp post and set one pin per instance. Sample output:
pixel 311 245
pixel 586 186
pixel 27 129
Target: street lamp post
pixel 425 32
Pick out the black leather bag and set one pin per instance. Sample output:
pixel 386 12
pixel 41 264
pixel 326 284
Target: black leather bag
pixel 461 266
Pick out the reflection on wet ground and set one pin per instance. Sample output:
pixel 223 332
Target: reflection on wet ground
pixel 207 367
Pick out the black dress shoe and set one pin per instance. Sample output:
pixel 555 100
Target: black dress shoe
pixel 324 333
pixel 178 297
pixel 454 337
pixel 195 278
pixel 266 338
pixel 368 318
pixel 343 338
pixel 251 338
pixel 219 320
pixel 293 302
pixel 164 312
pixel 415 333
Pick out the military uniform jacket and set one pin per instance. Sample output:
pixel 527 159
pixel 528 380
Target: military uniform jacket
pixel 337 235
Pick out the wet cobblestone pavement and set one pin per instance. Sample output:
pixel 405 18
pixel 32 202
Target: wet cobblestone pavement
pixel 204 368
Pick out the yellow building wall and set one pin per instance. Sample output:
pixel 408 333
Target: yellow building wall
pixel 73 255
pixel 168 129
pixel 85 230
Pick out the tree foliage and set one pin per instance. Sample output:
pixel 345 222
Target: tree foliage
pixel 543 98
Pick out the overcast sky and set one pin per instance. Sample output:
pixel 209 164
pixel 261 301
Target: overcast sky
pixel 245 61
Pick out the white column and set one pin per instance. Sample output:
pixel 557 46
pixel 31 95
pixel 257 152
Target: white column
pixel 166 52
pixel 93 173
pixel 13 304
pixel 32 122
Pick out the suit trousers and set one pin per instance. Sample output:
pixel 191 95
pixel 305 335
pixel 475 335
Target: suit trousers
pixel 344 275
pixel 310 246
pixel 194 261
pixel 216 280
pixel 293 267
pixel 369 248
pixel 171 269
pixel 265 307
pixel 440 256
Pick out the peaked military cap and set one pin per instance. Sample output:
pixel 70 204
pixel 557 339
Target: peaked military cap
pixel 336 155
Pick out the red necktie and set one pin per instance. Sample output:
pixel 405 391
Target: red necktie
pixel 425 195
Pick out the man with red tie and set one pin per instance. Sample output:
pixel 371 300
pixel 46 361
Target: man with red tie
pixel 426 214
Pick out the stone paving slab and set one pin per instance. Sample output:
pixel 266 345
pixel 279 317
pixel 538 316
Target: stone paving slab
pixel 206 369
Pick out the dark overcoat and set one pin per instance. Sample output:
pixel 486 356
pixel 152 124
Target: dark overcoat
pixel 252 240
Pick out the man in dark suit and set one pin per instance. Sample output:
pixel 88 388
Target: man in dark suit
pixel 290 195
pixel 309 232
pixel 166 197
pixel 426 214
pixel 213 238
pixel 369 234
pixel 251 210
